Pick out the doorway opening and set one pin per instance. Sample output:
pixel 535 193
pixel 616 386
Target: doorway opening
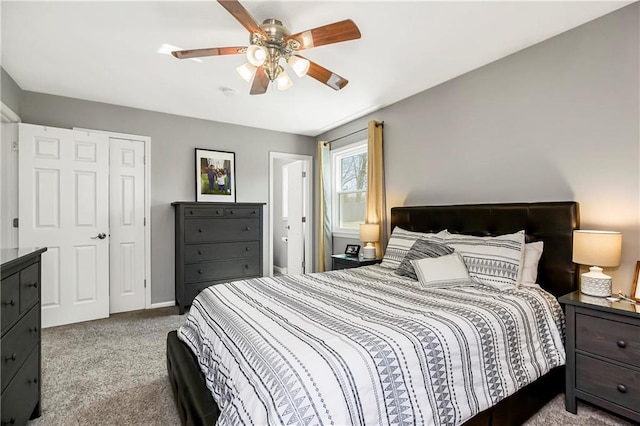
pixel 290 214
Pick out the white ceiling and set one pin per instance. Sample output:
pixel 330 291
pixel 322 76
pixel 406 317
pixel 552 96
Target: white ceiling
pixel 107 52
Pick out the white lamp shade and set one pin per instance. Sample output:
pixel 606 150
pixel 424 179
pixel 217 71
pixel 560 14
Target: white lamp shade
pixel 597 248
pixel 256 55
pixel 369 232
pixel 246 71
pixel 283 81
pixel 299 65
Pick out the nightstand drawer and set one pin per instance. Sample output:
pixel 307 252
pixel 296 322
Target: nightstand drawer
pixel 614 340
pixel 608 381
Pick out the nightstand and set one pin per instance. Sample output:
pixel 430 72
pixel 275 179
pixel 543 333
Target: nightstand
pixel 342 261
pixel 603 354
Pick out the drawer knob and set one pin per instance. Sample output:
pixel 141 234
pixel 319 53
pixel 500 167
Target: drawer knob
pixel 247 249
pixel 35 380
pixel 217 211
pixel 11 421
pixel 247 228
pixel 231 212
pixel 200 230
pixel 34 285
pixel 246 266
pixel 200 271
pixel 9 303
pixel 11 357
pixel 621 344
pixel 199 251
pixel 254 212
pixel 34 329
pixel 622 388
pixel 191 212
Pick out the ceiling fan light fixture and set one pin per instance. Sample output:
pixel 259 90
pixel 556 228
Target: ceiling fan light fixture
pixel 283 81
pixel 299 65
pixel 256 55
pixel 246 71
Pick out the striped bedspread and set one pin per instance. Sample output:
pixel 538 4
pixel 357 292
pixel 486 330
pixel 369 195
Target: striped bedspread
pixel 365 346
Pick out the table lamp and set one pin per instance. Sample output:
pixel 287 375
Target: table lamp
pixel 602 248
pixel 369 233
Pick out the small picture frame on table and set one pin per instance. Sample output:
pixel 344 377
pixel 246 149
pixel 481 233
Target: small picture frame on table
pixel 635 288
pixel 352 250
pixel 215 176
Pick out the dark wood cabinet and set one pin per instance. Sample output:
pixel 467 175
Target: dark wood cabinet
pixel 215 243
pixel 20 341
pixel 603 354
pixel 342 261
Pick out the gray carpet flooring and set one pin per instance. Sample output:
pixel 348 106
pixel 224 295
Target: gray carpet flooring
pixel 113 372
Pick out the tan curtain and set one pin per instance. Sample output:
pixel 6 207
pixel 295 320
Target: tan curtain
pixel 376 206
pixel 325 238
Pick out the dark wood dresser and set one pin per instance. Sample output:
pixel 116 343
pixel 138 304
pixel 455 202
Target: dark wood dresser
pixel 215 243
pixel 20 341
pixel 603 354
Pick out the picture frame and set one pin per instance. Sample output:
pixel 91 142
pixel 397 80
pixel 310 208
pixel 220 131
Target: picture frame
pixel 215 174
pixel 635 289
pixel 352 250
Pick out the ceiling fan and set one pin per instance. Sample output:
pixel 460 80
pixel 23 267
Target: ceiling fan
pixel 271 42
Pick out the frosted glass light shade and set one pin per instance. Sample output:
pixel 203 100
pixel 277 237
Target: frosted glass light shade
pixel 369 232
pixel 283 81
pixel 246 71
pixel 597 248
pixel 299 65
pixel 256 55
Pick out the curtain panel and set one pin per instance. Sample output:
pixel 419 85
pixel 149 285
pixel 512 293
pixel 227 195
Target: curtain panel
pixel 376 205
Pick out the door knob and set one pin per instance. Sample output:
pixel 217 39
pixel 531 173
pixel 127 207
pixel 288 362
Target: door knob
pixel 101 236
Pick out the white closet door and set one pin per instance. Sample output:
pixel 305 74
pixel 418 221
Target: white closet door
pixel 64 206
pixel 127 225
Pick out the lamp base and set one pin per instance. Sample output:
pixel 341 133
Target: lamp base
pixel 369 251
pixel 595 283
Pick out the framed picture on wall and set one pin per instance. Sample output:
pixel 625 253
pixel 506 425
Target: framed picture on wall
pixel 215 176
pixel 635 288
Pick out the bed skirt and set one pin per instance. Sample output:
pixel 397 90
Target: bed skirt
pixel 197 407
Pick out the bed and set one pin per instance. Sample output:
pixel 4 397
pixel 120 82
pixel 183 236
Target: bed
pixel 552 222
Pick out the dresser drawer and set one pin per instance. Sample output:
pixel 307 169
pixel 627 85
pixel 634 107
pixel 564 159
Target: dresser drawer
pixel 242 212
pixel 22 394
pixel 18 343
pixel 207 252
pixel 203 212
pixel 608 381
pixel 614 340
pixel 10 295
pixel 225 269
pixel 29 283
pixel 212 230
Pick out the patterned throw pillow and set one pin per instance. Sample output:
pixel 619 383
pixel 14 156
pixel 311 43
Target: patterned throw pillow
pixel 493 260
pixel 400 243
pixel 420 250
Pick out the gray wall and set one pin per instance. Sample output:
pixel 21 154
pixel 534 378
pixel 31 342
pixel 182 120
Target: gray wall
pixel 173 140
pixel 556 121
pixel 10 92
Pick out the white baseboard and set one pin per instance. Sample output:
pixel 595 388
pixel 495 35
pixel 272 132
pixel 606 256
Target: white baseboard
pixel 279 270
pixel 162 304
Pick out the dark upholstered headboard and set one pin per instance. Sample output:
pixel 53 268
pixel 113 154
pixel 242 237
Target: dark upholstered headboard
pixel 551 222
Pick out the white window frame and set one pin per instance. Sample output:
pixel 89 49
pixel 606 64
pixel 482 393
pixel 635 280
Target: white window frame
pixel 336 156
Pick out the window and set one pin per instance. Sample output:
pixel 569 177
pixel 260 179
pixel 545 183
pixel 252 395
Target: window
pixel 349 165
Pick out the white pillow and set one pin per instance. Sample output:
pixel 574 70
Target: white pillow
pixel 438 271
pixel 532 254
pixel 494 261
pixel 401 242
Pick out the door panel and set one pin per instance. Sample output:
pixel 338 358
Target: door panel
pixel 63 205
pixel 295 200
pixel 127 225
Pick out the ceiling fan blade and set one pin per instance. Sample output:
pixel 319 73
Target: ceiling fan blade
pixel 242 15
pixel 212 51
pixel 325 76
pixel 260 82
pixel 327 34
